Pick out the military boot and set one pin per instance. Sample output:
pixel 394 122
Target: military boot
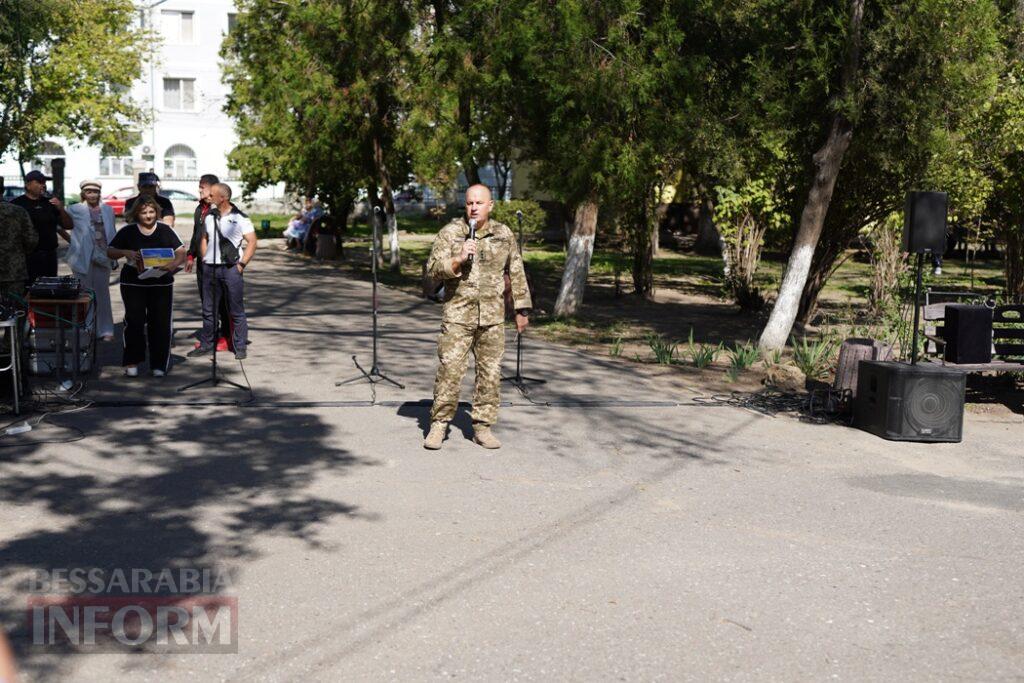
pixel 483 436
pixel 436 436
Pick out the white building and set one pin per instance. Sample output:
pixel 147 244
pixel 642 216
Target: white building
pixel 188 134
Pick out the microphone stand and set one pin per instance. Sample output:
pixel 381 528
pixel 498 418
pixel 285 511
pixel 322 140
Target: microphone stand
pixel 214 379
pixel 374 375
pixel 519 380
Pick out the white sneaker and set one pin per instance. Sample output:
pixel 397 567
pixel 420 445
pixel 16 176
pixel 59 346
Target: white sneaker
pixel 159 373
pixel 131 370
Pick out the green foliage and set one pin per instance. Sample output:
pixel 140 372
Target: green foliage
pixel 742 356
pixel 534 217
pixel 65 68
pixel 664 351
pixel 928 69
pixel 616 347
pixel 814 358
pixel 703 355
pixel 745 217
pixel 461 90
pixel 315 94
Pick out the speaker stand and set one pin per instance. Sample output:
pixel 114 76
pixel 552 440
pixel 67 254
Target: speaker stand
pixel 917 309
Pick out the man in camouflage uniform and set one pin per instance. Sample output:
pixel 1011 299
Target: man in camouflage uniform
pixel 474 314
pixel 18 239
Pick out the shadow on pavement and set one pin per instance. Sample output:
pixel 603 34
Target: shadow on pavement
pixel 188 487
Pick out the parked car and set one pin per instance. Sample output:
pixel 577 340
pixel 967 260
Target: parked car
pixel 12 191
pixel 181 200
pixel 117 198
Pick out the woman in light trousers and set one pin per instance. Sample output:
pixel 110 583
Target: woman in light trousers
pixel 87 255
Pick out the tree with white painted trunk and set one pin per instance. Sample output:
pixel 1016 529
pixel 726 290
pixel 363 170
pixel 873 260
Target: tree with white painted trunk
pixel 577 260
pixel 826 162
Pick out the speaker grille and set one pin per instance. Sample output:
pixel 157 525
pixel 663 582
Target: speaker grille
pixel 932 405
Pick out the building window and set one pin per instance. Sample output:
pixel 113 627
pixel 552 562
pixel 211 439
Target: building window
pixel 180 162
pixel 43 160
pixel 116 166
pixel 180 94
pixel 232 21
pixel 178 27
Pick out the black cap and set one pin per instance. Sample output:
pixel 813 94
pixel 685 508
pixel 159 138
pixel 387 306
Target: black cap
pixel 147 178
pixel 37 175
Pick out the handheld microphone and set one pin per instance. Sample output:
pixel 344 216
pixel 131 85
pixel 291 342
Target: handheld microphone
pixel 472 236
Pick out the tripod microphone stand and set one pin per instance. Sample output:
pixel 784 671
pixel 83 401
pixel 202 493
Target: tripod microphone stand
pixel 519 380
pixel 373 375
pixel 214 379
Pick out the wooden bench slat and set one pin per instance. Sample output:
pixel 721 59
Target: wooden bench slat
pixel 1010 350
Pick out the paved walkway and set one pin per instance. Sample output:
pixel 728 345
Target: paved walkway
pixel 622 533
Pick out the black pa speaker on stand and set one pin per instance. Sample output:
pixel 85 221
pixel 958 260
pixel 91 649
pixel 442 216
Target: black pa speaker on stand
pixel 903 402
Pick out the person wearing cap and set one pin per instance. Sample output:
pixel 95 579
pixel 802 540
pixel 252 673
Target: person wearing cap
pixel 149 183
pixel 87 256
pixel 49 219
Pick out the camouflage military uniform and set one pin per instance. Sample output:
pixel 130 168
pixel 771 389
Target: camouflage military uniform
pixel 474 315
pixel 17 240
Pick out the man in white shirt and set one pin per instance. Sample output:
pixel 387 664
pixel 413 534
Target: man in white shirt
pixel 223 264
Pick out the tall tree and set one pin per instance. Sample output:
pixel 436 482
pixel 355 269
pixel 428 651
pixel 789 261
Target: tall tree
pixel 463 75
pixel 899 79
pixel 605 102
pixel 315 97
pixel 65 69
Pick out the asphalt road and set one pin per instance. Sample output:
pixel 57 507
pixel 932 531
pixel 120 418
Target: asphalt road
pixel 624 532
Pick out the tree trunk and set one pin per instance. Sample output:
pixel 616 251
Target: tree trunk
pixel 643 254
pixel 1015 263
pixel 709 240
pixel 823 265
pixel 655 237
pixel 827 161
pixel 502 169
pixel 577 260
pixel 465 113
pixel 388 204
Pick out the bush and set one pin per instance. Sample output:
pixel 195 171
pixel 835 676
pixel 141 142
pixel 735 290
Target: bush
pixel 664 351
pixel 703 355
pixel 742 357
pixel 815 359
pixel 534 217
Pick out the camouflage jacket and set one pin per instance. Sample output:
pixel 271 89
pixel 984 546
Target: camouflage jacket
pixel 475 296
pixel 17 240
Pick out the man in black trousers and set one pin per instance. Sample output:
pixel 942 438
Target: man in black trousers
pixel 206 183
pixel 224 260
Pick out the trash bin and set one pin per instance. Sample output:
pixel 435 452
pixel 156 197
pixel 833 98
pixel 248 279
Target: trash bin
pixel 265 227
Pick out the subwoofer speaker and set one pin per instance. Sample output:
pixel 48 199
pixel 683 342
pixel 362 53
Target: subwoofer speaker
pixel 924 222
pixel 968 334
pixel 903 402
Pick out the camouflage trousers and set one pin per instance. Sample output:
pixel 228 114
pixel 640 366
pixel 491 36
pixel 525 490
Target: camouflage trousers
pixel 453 347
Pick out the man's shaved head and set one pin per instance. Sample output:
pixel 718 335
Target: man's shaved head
pixel 478 203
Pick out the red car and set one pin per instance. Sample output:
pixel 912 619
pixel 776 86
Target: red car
pixel 117 198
